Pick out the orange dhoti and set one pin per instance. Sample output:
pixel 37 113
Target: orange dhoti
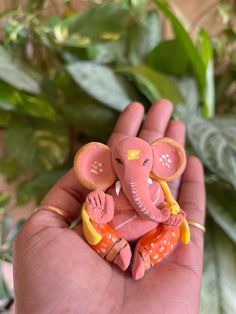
pixel 152 247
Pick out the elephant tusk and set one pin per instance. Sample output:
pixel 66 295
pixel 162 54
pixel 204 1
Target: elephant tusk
pixel 149 181
pixel 118 187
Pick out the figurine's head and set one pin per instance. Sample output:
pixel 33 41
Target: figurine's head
pixel 131 161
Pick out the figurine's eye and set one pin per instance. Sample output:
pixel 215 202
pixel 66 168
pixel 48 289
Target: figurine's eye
pixel 119 161
pixel 145 162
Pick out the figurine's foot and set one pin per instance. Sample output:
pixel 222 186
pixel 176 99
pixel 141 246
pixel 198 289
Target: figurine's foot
pixel 138 269
pixel 123 258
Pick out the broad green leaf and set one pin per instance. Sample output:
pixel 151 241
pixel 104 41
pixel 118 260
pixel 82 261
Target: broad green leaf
pixel 213 147
pixel 38 145
pixel 8 97
pixel 36 107
pixel 9 168
pixel 189 90
pixel 89 116
pixel 14 74
pixel 38 186
pixel 5 117
pixel 221 200
pixel 101 83
pixel 227 124
pixel 169 57
pixel 153 84
pixel 104 22
pixel 143 37
pixel 219 275
pixel 4 199
pixel 105 53
pixel 21 102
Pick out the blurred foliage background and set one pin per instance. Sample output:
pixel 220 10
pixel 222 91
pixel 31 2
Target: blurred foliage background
pixel 65 75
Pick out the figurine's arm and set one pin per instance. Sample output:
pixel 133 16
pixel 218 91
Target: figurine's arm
pixel 100 206
pixel 177 214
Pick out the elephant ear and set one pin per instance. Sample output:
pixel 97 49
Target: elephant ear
pixel 93 166
pixel 169 159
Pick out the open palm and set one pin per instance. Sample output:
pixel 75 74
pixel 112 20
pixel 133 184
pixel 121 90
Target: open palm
pixel 55 271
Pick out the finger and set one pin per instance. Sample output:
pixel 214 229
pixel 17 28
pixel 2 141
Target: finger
pixel 192 201
pixel 97 200
pixel 176 131
pixel 128 123
pixel 192 192
pixel 102 198
pixel 67 194
pixel 156 121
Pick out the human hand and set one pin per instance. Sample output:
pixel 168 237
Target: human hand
pixel 55 270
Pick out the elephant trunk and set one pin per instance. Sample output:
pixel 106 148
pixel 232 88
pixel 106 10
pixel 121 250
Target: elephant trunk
pixel 140 198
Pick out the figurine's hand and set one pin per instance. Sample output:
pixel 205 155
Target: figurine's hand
pixel 176 220
pixel 165 214
pixel 100 206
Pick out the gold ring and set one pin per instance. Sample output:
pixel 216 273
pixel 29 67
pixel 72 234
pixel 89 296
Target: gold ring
pixel 196 224
pixel 55 209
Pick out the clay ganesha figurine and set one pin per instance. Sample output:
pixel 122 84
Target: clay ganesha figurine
pixel 130 200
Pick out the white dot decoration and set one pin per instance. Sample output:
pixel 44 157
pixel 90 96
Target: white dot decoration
pixel 165 160
pixel 96 168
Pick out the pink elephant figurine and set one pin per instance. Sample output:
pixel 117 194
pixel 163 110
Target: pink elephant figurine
pixel 130 200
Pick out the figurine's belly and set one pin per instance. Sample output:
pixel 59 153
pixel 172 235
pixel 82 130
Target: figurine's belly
pixel 126 220
pixel 130 225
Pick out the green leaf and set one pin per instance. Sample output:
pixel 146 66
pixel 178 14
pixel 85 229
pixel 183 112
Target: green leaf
pixel 5 292
pixel 6 223
pixel 9 168
pixel 219 275
pixel 4 199
pixel 227 125
pixel 101 83
pixel 14 74
pixel 169 57
pixel 189 90
pixel 153 84
pixel 89 116
pixel 8 97
pixel 138 8
pixel 12 233
pixel 185 40
pixel 21 102
pixel 104 22
pixel 38 186
pixel 213 147
pixel 38 145
pixel 204 46
pixel 206 52
pixel 36 107
pixel 142 37
pixel 203 73
pixel 5 117
pixel 221 200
